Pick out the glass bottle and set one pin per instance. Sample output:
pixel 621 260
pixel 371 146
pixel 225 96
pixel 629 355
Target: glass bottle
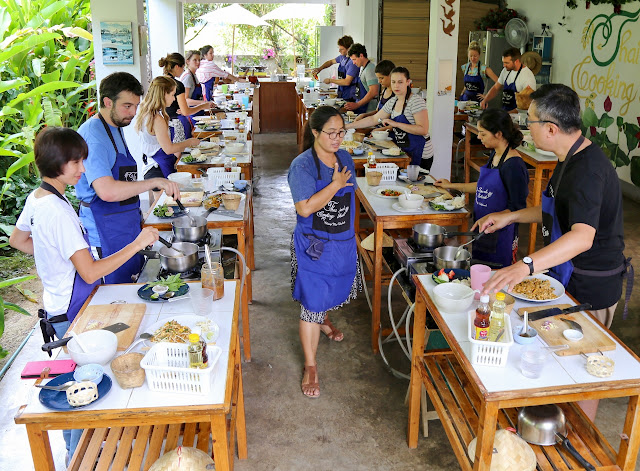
pixel 227 164
pixel 497 317
pixel 481 322
pixel 234 163
pixel 371 160
pixel 195 352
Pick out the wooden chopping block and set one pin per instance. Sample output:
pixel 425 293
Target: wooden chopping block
pixel 550 330
pixel 102 315
pixel 187 198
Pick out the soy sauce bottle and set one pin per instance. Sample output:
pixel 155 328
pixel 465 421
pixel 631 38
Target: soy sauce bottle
pixel 482 322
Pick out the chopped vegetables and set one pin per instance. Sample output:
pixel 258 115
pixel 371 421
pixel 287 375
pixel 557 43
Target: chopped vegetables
pixel 163 211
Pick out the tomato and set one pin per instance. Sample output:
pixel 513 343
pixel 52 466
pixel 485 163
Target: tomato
pixel 451 274
pixel 441 272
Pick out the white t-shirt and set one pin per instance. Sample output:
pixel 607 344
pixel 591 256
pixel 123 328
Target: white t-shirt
pixel 415 104
pixel 57 234
pixel 525 78
pixel 149 145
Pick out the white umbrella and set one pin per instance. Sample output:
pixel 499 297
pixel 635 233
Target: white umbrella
pixel 291 11
pixel 232 15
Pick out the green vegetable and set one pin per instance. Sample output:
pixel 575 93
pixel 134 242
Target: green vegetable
pixel 173 282
pixel 155 296
pixel 443 277
pixel 188 159
pixel 163 211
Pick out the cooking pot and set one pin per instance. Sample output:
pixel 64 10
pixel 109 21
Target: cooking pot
pixel 183 231
pixel 545 425
pixel 443 257
pixel 432 235
pixel 175 261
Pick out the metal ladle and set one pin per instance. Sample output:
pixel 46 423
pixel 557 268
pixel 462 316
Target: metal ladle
pixel 473 239
pixel 192 221
pixel 169 245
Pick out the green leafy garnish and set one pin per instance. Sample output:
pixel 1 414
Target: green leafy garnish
pixel 172 282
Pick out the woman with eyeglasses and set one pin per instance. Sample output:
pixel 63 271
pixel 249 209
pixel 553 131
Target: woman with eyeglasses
pixel 502 187
pixel 324 260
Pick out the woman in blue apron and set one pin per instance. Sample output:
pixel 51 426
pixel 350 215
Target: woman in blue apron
pixel 503 185
pixel 474 75
pixel 323 248
pixel 152 124
pixel 192 87
pixel 383 73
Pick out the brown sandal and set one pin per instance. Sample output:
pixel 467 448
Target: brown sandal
pixel 333 334
pixel 312 387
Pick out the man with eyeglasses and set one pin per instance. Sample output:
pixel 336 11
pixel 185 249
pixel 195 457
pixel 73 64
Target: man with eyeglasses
pixel 581 211
pixel 514 78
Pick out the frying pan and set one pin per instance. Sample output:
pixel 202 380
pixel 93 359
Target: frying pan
pixel 545 425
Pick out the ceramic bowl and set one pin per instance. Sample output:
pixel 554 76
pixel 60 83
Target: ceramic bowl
pixel 235 146
pixel 181 178
pixel 91 372
pixel 453 297
pixel 524 340
pixel 240 184
pixel 415 90
pixel 410 201
pixel 329 101
pixel 379 135
pixel 101 345
pixel 462 105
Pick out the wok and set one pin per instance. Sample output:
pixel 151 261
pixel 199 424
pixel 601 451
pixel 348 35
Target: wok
pixel 184 231
pixel 432 235
pixel 545 425
pixel 174 261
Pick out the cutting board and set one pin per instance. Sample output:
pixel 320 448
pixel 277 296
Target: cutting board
pixel 594 339
pixel 187 198
pixel 429 190
pixel 101 315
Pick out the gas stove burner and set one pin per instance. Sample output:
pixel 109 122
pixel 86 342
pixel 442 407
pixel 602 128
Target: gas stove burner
pixel 206 240
pixel 191 274
pixel 419 248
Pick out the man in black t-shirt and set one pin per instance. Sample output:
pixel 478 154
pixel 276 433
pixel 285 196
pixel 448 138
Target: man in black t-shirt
pixel 587 203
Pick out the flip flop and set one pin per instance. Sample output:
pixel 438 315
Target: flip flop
pixel 310 386
pixel 334 334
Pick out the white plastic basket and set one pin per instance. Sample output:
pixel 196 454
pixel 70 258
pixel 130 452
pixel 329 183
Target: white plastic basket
pixel 389 172
pixel 486 353
pixel 225 177
pixel 167 369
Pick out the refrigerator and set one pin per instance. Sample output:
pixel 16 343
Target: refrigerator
pixel 492 44
pixel 327 48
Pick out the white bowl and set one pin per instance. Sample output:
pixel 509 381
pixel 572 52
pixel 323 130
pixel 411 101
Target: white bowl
pixel 101 345
pixel 181 178
pixel 410 201
pixel 453 297
pixel 329 101
pixel 234 146
pixel 91 372
pixel 462 105
pixel 379 135
pixel 415 90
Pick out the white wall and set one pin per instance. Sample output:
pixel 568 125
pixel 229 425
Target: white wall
pixel 117 10
pixel 166 31
pixel 360 21
pixel 574 65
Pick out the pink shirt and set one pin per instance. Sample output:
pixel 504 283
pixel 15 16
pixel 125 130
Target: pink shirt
pixel 208 70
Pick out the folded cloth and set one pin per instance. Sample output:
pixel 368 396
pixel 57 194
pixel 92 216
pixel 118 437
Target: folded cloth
pixel 316 247
pixel 367 243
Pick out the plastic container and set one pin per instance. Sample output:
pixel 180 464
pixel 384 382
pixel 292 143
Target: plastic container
pixel 389 172
pixel 485 352
pixel 167 369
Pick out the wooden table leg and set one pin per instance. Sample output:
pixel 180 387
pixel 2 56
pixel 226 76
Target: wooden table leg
pixel 221 452
pixel 241 425
pixel 246 296
pixel 40 448
pixel 467 161
pixel 377 286
pixel 415 384
pixel 627 461
pixel 537 197
pixel 488 418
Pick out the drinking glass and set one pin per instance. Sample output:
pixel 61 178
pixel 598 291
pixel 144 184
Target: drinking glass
pixel 480 274
pixel 202 300
pixel 532 361
pixel 412 172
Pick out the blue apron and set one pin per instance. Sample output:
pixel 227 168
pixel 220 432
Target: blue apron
pixel 491 197
pixel 196 93
pixel 346 92
pixel 360 91
pixel 118 223
pixel 473 85
pixel 509 93
pixel 81 289
pixel 412 144
pixel 551 230
pixel 326 252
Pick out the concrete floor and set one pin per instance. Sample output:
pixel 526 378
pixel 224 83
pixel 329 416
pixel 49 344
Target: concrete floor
pixel 359 421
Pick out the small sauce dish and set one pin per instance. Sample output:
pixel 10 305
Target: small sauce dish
pixel 572 335
pixel 160 289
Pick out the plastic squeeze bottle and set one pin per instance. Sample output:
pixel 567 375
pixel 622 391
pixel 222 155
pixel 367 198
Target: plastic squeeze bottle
pixel 195 352
pixel 497 317
pixel 481 321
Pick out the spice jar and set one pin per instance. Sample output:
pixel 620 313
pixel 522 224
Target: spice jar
pixel 213 279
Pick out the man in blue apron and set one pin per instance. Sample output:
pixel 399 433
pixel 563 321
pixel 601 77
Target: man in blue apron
pixel 521 78
pixel 108 190
pixel 581 211
pixel 366 84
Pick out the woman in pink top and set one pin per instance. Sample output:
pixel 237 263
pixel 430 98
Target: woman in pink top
pixel 208 69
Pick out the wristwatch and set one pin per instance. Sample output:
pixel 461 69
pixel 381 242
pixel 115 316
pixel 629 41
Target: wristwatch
pixel 529 262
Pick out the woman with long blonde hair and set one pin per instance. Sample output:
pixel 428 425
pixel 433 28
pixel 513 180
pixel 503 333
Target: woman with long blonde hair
pixel 152 125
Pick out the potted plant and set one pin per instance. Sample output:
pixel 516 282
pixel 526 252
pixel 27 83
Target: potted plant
pixel 497 19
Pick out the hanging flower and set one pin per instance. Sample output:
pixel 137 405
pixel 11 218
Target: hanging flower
pixel 229 59
pixel 607 104
pixel 268 53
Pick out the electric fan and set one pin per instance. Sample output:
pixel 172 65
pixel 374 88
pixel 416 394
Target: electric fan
pixel 517 33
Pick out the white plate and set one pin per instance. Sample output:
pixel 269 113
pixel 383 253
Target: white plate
pixel 382 187
pixel 555 284
pixel 235 152
pixel 381 140
pixel 242 195
pixel 400 209
pixel 190 321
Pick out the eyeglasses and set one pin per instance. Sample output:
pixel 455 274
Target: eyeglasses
pixel 527 122
pixel 333 135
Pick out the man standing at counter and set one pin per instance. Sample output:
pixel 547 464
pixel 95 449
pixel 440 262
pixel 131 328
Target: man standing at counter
pixel 108 190
pixel 347 70
pixel 581 211
pixel 510 83
pixel 366 94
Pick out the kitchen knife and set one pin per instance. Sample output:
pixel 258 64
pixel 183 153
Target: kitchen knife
pixel 555 311
pixel 115 328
